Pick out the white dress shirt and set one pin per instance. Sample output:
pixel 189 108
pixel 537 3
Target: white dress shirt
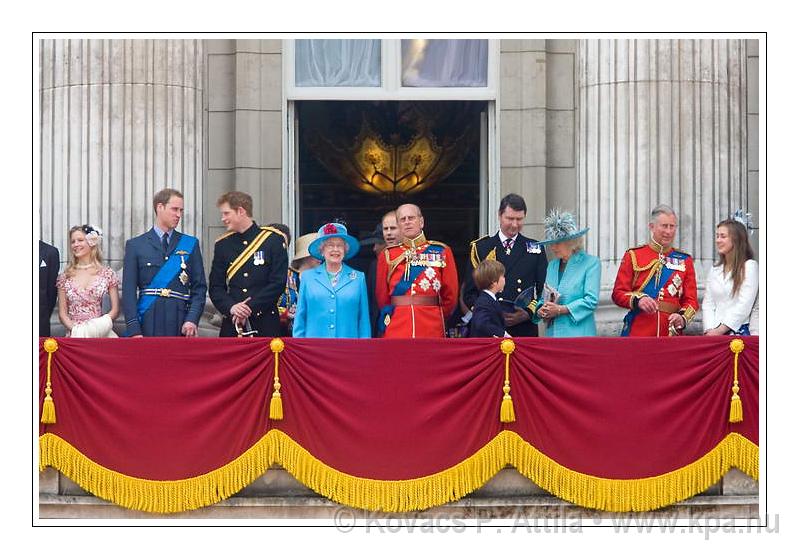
pixel 719 307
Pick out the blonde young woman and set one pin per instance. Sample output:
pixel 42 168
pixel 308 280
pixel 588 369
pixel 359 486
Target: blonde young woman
pixel 83 284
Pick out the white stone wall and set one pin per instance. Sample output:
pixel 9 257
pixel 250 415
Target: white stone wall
pixel 752 136
pixel 120 120
pixel 244 127
pixel 537 101
pixel 522 100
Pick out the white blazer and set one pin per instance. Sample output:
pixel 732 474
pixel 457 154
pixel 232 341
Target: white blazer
pixel 718 305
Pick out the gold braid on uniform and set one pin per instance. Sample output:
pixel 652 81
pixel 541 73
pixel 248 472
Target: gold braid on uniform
pixel 473 253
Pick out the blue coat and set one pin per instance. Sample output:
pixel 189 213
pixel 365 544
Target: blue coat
pixel 144 257
pixel 327 312
pixel 580 291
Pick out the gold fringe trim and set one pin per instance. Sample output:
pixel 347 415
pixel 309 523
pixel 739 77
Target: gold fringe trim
pixel 156 496
pixel 507 448
pixel 639 494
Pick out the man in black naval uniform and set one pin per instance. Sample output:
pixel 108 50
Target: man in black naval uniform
pixel 248 273
pixel 524 259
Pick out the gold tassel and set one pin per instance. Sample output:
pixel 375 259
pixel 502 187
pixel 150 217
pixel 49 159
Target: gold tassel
pixel 49 406
pixel 276 404
pixel 737 414
pixel 507 405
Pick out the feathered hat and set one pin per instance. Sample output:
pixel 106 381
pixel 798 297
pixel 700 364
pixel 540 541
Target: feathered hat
pixel 560 226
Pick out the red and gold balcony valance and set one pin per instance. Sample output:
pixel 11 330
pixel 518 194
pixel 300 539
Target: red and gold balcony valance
pixel 619 424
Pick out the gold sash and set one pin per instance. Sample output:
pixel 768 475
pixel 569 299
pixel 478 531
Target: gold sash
pixel 247 253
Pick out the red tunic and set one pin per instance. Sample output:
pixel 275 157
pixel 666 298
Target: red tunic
pixel 678 294
pixel 438 278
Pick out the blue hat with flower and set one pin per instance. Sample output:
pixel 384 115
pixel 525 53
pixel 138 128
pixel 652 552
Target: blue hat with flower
pixel 333 230
pixel 560 226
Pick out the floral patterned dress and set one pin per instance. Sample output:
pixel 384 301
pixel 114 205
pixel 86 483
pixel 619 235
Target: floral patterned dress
pixel 84 304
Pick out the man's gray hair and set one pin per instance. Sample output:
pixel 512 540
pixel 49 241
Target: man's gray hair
pixel 661 209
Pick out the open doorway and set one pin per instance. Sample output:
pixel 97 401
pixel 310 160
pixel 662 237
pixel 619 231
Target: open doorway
pixel 359 159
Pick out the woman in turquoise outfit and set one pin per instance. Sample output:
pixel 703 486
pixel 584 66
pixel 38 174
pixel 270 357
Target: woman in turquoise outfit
pixel 574 275
pixel 332 302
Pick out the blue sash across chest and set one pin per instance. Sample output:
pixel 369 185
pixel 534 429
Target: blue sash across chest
pixel 166 274
pixel 652 288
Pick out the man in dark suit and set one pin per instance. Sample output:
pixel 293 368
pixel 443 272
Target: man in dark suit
pixel 163 281
pixel 48 272
pixel 248 273
pixel 524 260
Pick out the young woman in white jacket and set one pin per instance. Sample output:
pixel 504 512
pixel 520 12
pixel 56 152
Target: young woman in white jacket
pixel 730 304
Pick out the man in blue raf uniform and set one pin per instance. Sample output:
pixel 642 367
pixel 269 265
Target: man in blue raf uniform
pixel 248 273
pixel 163 282
pixel 524 260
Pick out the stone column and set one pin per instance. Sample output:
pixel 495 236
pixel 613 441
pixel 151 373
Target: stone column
pixel 120 120
pixel 244 127
pixel 660 121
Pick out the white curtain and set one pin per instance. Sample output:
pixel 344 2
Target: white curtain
pixel 337 62
pixel 445 62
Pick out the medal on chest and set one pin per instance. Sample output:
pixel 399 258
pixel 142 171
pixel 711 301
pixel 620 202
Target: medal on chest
pixel 674 263
pixel 533 248
pixel 183 277
pixel 258 258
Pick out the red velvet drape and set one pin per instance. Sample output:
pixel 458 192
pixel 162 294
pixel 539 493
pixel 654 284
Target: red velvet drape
pixel 168 409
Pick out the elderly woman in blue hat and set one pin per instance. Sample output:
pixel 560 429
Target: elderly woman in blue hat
pixel 572 284
pixel 333 300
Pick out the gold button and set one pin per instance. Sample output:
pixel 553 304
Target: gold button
pixel 245 242
pixel 519 289
pixel 244 290
pixel 519 280
pixel 245 275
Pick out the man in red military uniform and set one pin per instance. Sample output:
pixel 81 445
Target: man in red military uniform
pixel 417 281
pixel 656 282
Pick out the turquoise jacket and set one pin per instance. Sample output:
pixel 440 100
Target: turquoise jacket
pixel 327 312
pixel 580 290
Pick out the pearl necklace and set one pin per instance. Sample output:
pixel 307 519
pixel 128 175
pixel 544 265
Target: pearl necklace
pixel 84 266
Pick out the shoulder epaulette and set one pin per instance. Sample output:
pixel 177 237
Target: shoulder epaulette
pixel 438 243
pixel 224 235
pixel 473 252
pixel 272 229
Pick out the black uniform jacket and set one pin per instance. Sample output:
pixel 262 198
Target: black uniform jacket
pixel 261 277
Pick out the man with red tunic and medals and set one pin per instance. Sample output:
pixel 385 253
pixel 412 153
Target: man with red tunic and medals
pixel 417 282
pixel 656 282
